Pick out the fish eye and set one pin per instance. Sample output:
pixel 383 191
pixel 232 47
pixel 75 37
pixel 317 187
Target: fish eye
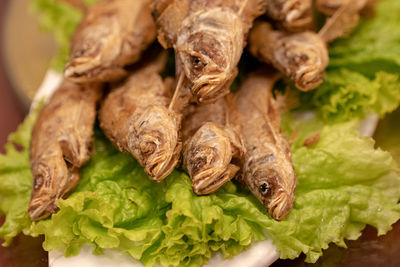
pixel 264 188
pixel 197 63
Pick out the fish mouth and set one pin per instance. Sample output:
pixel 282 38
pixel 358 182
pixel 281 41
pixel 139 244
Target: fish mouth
pixel 80 67
pixel 207 158
pixel 309 78
pixel 159 162
pixel 88 69
pixel 40 208
pixel 209 89
pixel 154 141
pixel 280 205
pixel 307 67
pixel 211 179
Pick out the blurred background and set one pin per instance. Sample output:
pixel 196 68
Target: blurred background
pixel 25 55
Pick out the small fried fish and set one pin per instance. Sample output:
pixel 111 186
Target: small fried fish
pixel 212 147
pixel 302 57
pixel 208 38
pixel 136 118
pixel 111 35
pixel 61 143
pixel 267 166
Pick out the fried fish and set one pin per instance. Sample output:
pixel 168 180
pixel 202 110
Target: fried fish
pixel 136 117
pixel 208 38
pixel 212 147
pixel 267 166
pixel 111 35
pixel 62 140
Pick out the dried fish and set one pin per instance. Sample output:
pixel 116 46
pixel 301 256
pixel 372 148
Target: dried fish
pixel 112 35
pixel 343 20
pixel 267 167
pixel 136 118
pixel 212 147
pixel 61 144
pixel 329 7
pixel 302 57
pixel 293 15
pixel 208 38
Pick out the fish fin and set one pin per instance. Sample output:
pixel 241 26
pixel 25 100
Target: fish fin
pixel 177 91
pixel 341 22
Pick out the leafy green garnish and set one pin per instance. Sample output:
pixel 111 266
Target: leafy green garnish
pixel 344 183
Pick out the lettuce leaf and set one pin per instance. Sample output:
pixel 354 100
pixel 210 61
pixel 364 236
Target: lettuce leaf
pixel 363 73
pixel 346 95
pixel 344 183
pixel 16 181
pixel 373 45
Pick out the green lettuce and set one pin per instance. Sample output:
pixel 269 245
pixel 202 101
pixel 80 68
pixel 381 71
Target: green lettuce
pixel 346 94
pixel 374 45
pixel 16 181
pixel 363 72
pixel 344 183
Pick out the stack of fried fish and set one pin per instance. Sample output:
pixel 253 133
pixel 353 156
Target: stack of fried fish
pixel 191 120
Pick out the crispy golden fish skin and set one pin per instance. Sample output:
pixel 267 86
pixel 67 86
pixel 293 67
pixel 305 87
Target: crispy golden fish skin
pixel 136 118
pixel 62 140
pixel 302 57
pixel 212 147
pixel 344 16
pixel 329 7
pixel 267 166
pixel 112 35
pixel 292 15
pixel 208 38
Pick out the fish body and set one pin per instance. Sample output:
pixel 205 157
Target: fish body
pixel 111 35
pixel 212 147
pixel 136 118
pixel 329 7
pixel 62 141
pixel 208 38
pixel 267 167
pixel 303 57
pixel 209 46
pixel 344 16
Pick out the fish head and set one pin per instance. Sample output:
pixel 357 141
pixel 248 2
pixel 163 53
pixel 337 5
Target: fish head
pixel 209 51
pixel 154 141
pixel 303 57
pixel 273 185
pixel 207 158
pixel 52 179
pixel 94 51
